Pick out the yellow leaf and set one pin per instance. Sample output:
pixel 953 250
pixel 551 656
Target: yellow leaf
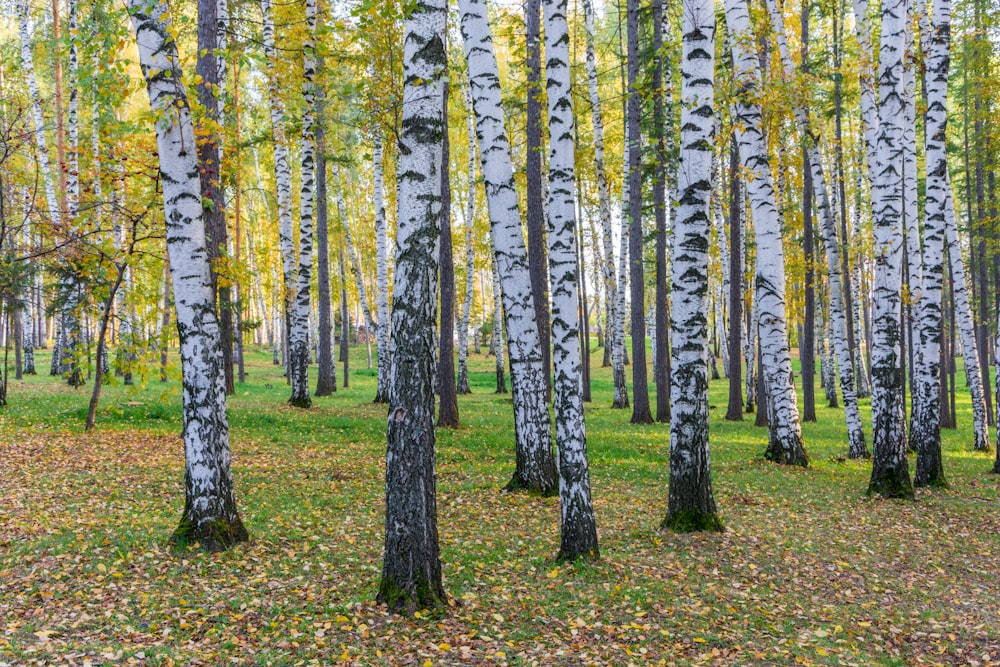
pixel 444 646
pixel 102 568
pixel 700 640
pixel 552 574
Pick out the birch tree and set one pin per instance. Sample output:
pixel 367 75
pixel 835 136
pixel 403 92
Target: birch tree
pixel 470 252
pixel 535 466
pixel 890 474
pixel 578 526
pixel 691 503
pixel 828 226
pixel 298 338
pixel 620 399
pixel 382 274
pixel 210 514
pixel 411 569
pixel 785 441
pixel 925 422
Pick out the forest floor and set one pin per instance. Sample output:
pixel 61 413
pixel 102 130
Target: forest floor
pixel 808 571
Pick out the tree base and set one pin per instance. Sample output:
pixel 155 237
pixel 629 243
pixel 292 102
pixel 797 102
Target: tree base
pixel 794 457
pixel 937 482
pixel 410 597
pixel 996 468
pixel 304 403
pixel 213 537
pixel 891 484
pixel 518 484
pixel 573 555
pixel 692 521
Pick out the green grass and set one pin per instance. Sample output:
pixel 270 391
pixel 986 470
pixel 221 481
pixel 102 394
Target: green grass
pixel 808 571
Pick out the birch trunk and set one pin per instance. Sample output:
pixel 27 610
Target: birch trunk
pixel 828 226
pixel 925 422
pixel 615 314
pixel 282 166
pixel 298 338
pixel 411 570
pixel 966 327
pixel 890 474
pixel 497 342
pixel 691 504
pixel 785 431
pixel 382 275
pixel 210 514
pixel 535 468
pixel 470 254
pixel 578 525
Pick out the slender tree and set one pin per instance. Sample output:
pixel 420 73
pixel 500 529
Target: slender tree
pixel 381 273
pixel 578 525
pixel 446 389
pixel 785 441
pixel 470 252
pixel 535 464
pixel 692 505
pixel 210 514
pixel 640 390
pixel 411 570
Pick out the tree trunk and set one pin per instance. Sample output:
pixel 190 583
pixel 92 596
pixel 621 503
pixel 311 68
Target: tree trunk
pixel 447 390
pixel 411 569
pixel 345 325
pixel 734 412
pixel 535 468
pixel 470 253
pixel 578 535
pixel 890 476
pixel 382 276
pixel 210 514
pixel 785 432
pixel 640 390
pixel 298 338
pixel 807 354
pixel 925 423
pixel 326 368
pixel 498 331
pixel 661 117
pixel 692 505
pixel 612 340
pixel 533 173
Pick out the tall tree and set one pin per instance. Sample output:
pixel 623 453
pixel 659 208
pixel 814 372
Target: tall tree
pixel 785 441
pixel 692 505
pixel 326 368
pixel 807 352
pixel 382 274
pixel 535 464
pixel 662 120
pixel 852 415
pixel 210 514
pixel 470 252
pixel 890 474
pixel 447 391
pixel 211 75
pixel 640 389
pixel 411 569
pixel 533 171
pixel 734 411
pixel 615 314
pixel 298 338
pixel 925 423
pixel 578 525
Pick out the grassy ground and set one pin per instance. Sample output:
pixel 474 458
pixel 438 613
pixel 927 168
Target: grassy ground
pixel 808 571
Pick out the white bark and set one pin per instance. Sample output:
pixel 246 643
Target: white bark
pixel 352 255
pixel 298 331
pixel 470 252
pixel 925 423
pixel 966 326
pixel 282 166
pixel 785 430
pixel 536 465
pixel 210 513
pixel 691 504
pixel 578 526
pixel 890 475
pixel 382 275
pixel 615 327
pixel 411 571
pixel 828 229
